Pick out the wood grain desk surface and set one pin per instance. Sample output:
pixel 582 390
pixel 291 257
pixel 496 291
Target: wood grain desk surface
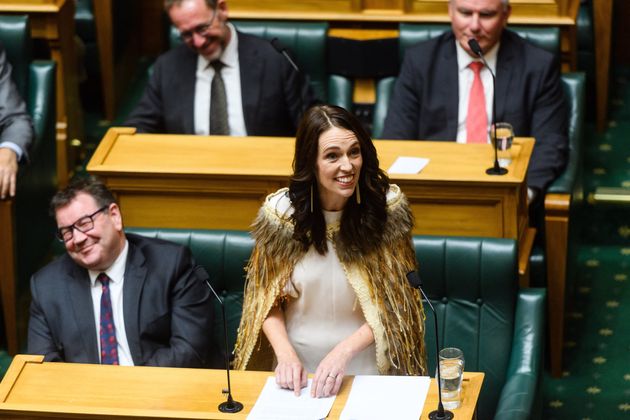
pixel 39 390
pixel 122 151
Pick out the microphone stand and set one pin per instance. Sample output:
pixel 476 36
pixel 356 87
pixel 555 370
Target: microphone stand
pixel 231 405
pixel 496 169
pixel 440 413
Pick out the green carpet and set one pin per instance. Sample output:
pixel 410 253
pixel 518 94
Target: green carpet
pixel 596 378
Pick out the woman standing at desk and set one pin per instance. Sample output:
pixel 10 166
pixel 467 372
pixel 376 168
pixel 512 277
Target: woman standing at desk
pixel 326 280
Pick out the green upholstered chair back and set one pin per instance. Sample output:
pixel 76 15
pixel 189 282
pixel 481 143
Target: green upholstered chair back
pixel 547 38
pixel 15 36
pixel 224 255
pixel 473 285
pixel 306 42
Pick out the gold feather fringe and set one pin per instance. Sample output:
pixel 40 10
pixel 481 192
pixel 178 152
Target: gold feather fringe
pixel 399 309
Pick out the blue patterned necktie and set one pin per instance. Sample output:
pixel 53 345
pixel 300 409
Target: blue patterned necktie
pixel 107 333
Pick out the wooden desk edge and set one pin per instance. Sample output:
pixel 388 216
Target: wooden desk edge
pixel 15 368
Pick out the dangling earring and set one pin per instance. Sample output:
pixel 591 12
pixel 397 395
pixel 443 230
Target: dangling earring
pixel 311 198
pixel 358 192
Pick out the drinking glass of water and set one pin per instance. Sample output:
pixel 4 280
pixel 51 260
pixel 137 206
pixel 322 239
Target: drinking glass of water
pixel 451 375
pixel 505 135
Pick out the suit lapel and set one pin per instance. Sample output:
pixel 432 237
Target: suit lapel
pixel 505 69
pixel 251 70
pixel 80 297
pixel 189 66
pixel 450 87
pixel 135 276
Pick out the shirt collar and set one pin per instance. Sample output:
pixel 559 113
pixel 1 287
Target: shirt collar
pixel 229 57
pixel 116 271
pixel 464 59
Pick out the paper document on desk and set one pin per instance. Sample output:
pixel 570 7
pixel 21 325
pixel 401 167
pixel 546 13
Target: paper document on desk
pixel 386 397
pixel 275 403
pixel 408 165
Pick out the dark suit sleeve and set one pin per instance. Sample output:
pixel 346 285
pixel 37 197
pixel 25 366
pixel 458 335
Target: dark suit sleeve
pixel 405 103
pixel 40 340
pixel 15 123
pixel 148 116
pixel 549 128
pixel 191 317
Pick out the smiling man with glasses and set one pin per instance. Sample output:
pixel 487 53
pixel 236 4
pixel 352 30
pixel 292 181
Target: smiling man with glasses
pixel 219 80
pixel 116 298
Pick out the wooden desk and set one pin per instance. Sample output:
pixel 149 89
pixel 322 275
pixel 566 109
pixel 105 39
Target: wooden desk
pixel 53 22
pixel 8 272
pixel 32 389
pixel 217 182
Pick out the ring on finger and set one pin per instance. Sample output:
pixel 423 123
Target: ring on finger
pixel 332 376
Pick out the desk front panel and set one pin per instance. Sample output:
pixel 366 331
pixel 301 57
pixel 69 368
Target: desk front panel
pixel 220 182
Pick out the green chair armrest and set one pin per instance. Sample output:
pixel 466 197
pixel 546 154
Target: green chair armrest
pixel 384 88
pixel 521 389
pixel 573 85
pixel 340 91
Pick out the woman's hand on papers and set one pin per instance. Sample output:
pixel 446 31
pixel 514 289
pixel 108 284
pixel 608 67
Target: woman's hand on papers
pixel 290 374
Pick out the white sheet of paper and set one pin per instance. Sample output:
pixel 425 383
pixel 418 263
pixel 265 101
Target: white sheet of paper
pixel 408 165
pixel 375 397
pixel 275 403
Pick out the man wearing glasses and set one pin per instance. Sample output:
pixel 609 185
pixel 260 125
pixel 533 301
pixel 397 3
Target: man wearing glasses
pixel 219 81
pixel 116 298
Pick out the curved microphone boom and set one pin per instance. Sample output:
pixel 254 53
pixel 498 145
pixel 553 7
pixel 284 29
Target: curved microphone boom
pixel 440 414
pixel 496 169
pixel 229 406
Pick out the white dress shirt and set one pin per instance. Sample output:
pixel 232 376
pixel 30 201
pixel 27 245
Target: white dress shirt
pixel 231 78
pixel 465 78
pixel 17 149
pixel 116 272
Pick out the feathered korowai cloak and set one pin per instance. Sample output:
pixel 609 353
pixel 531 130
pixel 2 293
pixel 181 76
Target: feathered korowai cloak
pixel 391 307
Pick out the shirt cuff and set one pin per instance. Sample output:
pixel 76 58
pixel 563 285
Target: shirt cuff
pixel 17 149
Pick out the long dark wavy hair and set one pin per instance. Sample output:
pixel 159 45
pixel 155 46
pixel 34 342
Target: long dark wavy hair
pixel 362 224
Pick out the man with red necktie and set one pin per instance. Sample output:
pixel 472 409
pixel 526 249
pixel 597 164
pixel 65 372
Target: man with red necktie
pixel 443 91
pixel 116 298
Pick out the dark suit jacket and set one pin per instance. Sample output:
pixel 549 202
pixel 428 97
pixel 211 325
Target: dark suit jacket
pixel 16 125
pixel 166 306
pixel 529 96
pixel 273 97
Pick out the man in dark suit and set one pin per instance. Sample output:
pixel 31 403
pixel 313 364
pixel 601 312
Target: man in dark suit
pixel 116 298
pixel 16 129
pixel 431 95
pixel 265 95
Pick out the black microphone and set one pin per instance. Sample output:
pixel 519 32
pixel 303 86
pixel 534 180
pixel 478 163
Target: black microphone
pixel 229 406
pixel 277 45
pixel 440 414
pixel 496 169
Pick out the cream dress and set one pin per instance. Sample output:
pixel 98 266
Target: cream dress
pixel 322 309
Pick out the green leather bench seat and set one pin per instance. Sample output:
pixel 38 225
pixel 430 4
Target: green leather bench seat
pixel 306 42
pixel 471 281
